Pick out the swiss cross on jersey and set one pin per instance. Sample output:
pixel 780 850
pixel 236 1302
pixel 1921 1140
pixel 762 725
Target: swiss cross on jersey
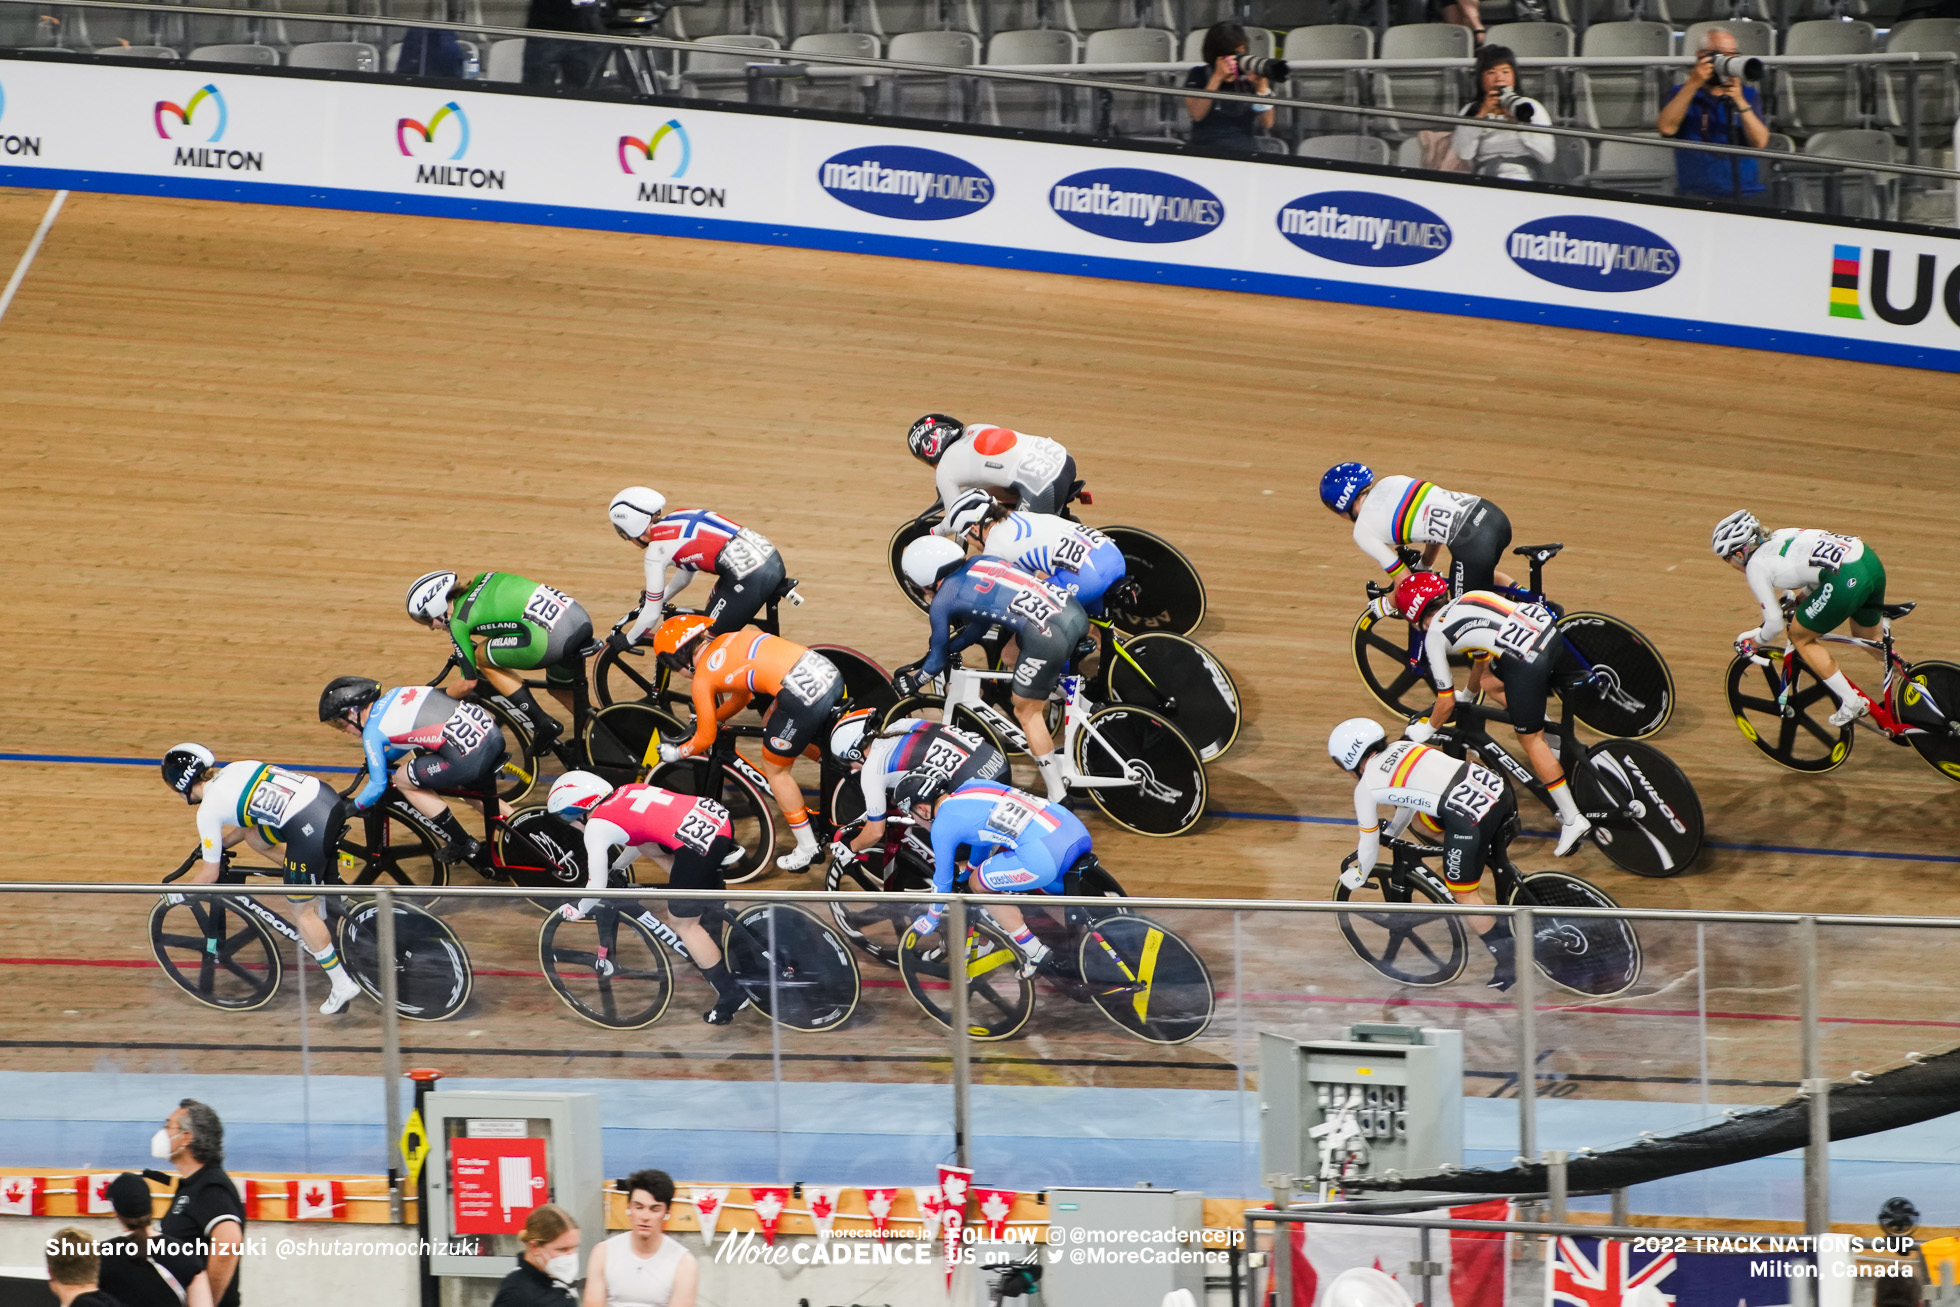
pixel 651 815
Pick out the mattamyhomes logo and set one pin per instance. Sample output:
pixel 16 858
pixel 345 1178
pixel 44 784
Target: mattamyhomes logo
pixel 203 120
pixel 445 137
pixel 1587 253
pixel 1361 227
pixel 902 181
pixel 668 152
pixel 13 144
pixel 1847 265
pixel 1136 204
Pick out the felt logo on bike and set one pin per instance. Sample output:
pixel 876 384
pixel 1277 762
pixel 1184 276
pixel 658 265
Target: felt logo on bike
pixel 1360 227
pixel 1586 253
pixel 1136 204
pixel 903 181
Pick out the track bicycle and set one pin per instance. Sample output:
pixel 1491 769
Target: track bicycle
pixel 1783 709
pixel 1644 811
pixel 1631 690
pixel 1595 956
pixel 1138 973
pixel 1161 591
pixel 224 950
pixel 1172 675
pixel 611 966
pixel 1133 762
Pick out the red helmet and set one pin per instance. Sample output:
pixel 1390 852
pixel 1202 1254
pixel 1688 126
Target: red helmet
pixel 1417 592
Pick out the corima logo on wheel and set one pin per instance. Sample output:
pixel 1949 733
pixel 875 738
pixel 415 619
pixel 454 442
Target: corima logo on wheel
pixel 1136 204
pixel 1361 227
pixel 1586 253
pixel 902 181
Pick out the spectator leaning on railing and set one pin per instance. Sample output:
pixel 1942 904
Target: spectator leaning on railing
pixel 1230 124
pixel 1495 151
pixel 1722 111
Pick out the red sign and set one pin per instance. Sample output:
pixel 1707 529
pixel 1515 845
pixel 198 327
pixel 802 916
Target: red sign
pixel 494 1183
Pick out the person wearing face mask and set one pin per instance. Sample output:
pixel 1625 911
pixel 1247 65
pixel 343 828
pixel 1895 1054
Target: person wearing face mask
pixel 206 1219
pixel 548 1264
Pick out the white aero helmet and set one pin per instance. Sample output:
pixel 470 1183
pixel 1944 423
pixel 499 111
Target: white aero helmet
pixel 1352 740
pixel 927 560
pixel 852 732
pixel 183 764
pixel 428 598
pixel 969 510
pixel 633 510
pixel 575 793
pixel 1738 531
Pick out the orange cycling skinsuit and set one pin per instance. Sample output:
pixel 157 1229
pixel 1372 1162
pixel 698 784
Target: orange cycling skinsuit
pixel 806 685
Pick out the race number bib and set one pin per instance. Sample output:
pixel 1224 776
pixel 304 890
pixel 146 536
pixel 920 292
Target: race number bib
pixel 744 552
pixel 1831 551
pixel 1075 550
pixel 698 829
pixel 468 727
pixel 547 607
pixel 1042 463
pixel 1010 817
pixel 943 758
pixel 275 798
pixel 1475 795
pixel 811 678
pixel 1524 629
pixel 1037 607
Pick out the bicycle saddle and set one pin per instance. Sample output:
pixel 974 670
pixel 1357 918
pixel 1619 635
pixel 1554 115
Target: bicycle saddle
pixel 587 650
pixel 781 592
pixel 1538 553
pixel 1894 612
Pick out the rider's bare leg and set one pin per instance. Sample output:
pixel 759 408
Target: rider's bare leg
pixel 701 945
pixel 1033 716
pixel 789 797
pixel 1545 766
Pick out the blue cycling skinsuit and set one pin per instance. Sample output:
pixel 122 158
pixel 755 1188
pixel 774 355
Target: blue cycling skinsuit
pixel 1074 557
pixel 986 592
pixel 1019 844
pixel 459 741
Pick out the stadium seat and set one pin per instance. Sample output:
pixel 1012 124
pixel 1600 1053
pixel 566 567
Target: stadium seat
pixel 701 61
pixel 731 18
pixel 237 53
pixel 505 62
pixel 1934 86
pixel 1258 40
pixel 929 16
pixel 1099 15
pixel 1684 13
pixel 391 58
pixel 1050 45
pixel 1348 149
pixel 1131 45
pixel 1290 15
pixel 844 16
pixel 1022 15
pixel 846 95
pixel 1632 166
pixel 1331 41
pixel 1118 114
pixel 942 98
pixel 1813 99
pixel 1438 90
pixel 138 52
pixel 349 56
pixel 1029 104
pixel 1751 37
pixel 1536 41
pixel 1619 100
pixel 1860 194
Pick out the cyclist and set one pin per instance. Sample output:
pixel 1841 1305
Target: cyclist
pixel 521 626
pixel 738 665
pixel 1071 556
pixel 679 545
pixel 1837 578
pixel 689 837
pixel 1038 473
pixel 884 757
pixel 1515 644
pixel 1473 805
pixel 1014 843
pixel 441 742
pixel 970 597
pixel 1396 511
pixel 266 807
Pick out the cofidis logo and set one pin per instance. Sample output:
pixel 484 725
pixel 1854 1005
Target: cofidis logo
pixel 1586 253
pixel 446 136
pixel 10 143
pixel 901 181
pixel 1136 204
pixel 203 118
pixel 669 152
pixel 1361 227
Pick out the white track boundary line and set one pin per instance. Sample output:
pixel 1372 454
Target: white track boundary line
pixel 33 248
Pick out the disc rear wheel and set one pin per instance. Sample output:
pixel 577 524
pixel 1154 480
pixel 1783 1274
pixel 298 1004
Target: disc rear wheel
pixel 895 553
pixel 1146 979
pixel 1929 699
pixel 1649 820
pixel 1166 592
pixel 1180 679
pixel 432 969
pixel 1597 956
pixel 793 967
pixel 1165 795
pixel 1632 693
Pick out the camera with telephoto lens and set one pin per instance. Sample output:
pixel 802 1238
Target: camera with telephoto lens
pixel 1259 65
pixel 1515 104
pixel 1735 67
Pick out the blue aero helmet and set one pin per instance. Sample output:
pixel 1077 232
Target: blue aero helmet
pixel 1343 482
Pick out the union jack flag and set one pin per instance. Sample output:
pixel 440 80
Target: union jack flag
pixel 1606 1273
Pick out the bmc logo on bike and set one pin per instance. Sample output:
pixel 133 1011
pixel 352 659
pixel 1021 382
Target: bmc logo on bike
pixel 1360 227
pixel 902 181
pixel 1585 253
pixel 1136 204
pixel 1847 268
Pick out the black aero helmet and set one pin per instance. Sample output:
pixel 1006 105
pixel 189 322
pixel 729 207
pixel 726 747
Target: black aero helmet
pixel 931 434
pixel 346 695
pixel 919 786
pixel 183 765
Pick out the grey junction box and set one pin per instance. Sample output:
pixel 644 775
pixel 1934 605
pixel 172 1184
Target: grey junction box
pixel 574 1179
pixel 1399 1090
pixel 1154 1246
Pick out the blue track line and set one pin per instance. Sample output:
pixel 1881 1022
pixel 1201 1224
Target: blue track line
pixel 1296 818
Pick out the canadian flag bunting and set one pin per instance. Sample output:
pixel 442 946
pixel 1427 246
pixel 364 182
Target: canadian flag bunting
pixel 92 1195
pixel 995 1205
pixel 21 1195
pixel 315 1200
pixel 954 1183
pixel 769 1203
pixel 707 1207
pixel 930 1206
pixel 823 1207
pixel 878 1202
pixel 253 1192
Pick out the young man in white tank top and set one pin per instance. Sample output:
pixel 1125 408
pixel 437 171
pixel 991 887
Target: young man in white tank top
pixel 642 1267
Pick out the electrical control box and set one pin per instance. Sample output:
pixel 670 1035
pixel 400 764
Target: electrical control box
pixel 495 1156
pixel 1387 1098
pixel 1124 1247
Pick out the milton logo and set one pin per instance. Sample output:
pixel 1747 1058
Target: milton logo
pixel 1847 263
pixel 668 148
pixel 204 116
pixel 29 146
pixel 445 136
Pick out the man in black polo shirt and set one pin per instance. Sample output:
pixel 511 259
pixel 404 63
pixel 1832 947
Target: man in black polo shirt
pixel 136 1274
pixel 205 1215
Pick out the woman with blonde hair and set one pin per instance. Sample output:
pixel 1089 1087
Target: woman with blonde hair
pixel 548 1264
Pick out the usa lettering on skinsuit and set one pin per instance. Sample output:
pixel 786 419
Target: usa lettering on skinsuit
pixel 873 178
pixel 1105 202
pixel 1606 256
pixel 1329 223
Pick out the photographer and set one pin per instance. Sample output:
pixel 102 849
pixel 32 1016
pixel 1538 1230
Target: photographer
pixel 1230 124
pixel 1493 151
pixel 1716 105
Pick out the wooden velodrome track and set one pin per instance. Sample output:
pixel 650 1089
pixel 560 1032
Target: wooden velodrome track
pixel 232 434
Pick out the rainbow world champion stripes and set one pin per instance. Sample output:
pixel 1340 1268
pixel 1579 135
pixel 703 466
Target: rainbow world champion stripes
pixel 1845 262
pixel 1409 511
